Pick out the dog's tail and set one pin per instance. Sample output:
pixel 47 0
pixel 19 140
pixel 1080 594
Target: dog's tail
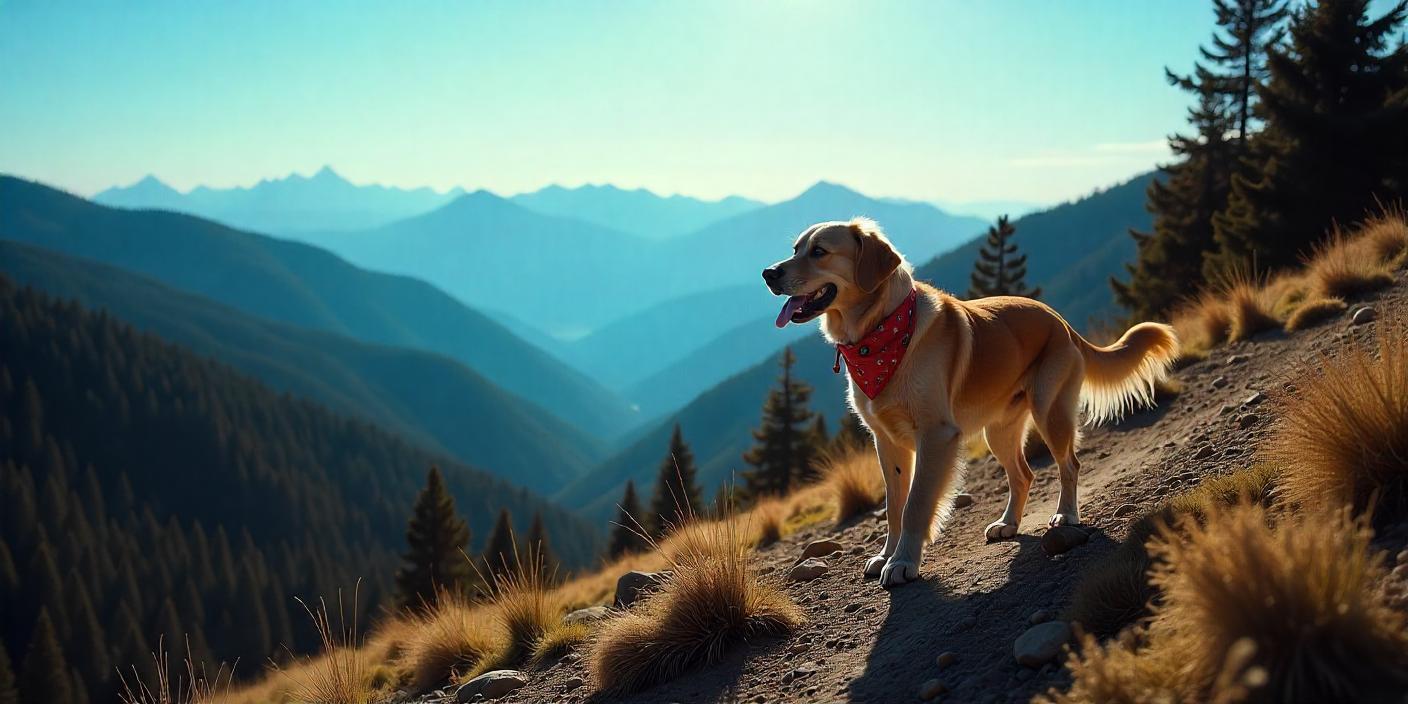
pixel 1122 375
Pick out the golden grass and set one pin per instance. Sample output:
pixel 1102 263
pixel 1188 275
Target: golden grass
pixel 1314 310
pixel 1386 237
pixel 196 687
pixel 765 521
pixel 855 484
pixel 713 601
pixel 341 675
pixel 1342 435
pixel 445 642
pixel 524 608
pixel 1202 324
pixel 1249 305
pixel 1255 612
pixel 559 639
pixel 1342 267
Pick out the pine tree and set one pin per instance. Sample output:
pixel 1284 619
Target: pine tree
pixel 625 536
pixel 782 438
pixel 435 540
pixel 814 450
pixel 9 694
pixel 1247 28
pixel 676 497
pixel 1000 270
pixel 1334 145
pixel 45 675
pixel 501 552
pixel 538 548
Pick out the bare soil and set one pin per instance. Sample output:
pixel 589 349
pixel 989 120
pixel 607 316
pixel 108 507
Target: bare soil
pixel 975 598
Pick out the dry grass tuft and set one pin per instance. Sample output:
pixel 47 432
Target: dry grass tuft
pixel 1346 268
pixel 524 610
pixel 766 520
pixel 856 485
pixel 197 687
pixel 1313 311
pixel 559 639
pixel 1386 237
pixel 445 642
pixel 340 675
pixel 1250 305
pixel 1202 324
pixel 1342 435
pixel 713 600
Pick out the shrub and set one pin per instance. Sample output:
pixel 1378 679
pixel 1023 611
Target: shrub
pixel 856 484
pixel 1314 310
pixel 713 600
pixel 1342 434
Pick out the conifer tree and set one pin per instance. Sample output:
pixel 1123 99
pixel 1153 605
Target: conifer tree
pixel 436 538
pixel 501 552
pixel 1334 146
pixel 814 449
pixel 538 549
pixel 1246 29
pixel 1000 270
pixel 676 489
pixel 625 537
pixel 9 692
pixel 783 441
pixel 45 676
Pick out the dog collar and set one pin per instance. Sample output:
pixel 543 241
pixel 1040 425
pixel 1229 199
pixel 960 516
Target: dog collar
pixel 873 359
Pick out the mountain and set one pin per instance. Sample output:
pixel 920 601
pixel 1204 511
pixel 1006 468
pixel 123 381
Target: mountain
pixel 1072 251
pixel 638 212
pixel 989 209
pixel 425 397
pixel 301 285
pixel 146 490
pixel 286 205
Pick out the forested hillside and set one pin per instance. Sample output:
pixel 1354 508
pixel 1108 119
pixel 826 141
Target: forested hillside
pixel 149 492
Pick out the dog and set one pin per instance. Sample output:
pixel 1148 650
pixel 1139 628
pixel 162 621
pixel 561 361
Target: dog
pixel 951 369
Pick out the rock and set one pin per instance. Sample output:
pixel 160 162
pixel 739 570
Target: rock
pixel 1219 382
pixel 1402 557
pixel 631 586
pixel 858 550
pixel 945 659
pixel 1254 399
pixel 1039 616
pixel 851 607
pixel 818 548
pixel 807 570
pixel 1237 359
pixel 1225 410
pixel 799 648
pixel 491 685
pixel 801 672
pixel 1204 452
pixel 931 689
pixel 572 683
pixel 1041 643
pixel 1247 420
pixel 1125 510
pixel 587 615
pixel 1062 539
pixel 963 500
pixel 1366 314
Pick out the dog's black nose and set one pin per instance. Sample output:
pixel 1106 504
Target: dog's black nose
pixel 772 273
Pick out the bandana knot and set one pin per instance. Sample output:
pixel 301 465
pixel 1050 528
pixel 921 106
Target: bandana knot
pixel 873 359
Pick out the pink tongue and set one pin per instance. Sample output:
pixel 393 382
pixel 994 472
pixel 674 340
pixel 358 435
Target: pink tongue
pixel 788 309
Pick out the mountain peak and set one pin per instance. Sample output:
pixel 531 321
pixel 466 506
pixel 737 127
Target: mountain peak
pixel 828 189
pixel 327 174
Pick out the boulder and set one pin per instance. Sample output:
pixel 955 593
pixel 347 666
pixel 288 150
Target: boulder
pixel 631 586
pixel 1041 643
pixel 491 685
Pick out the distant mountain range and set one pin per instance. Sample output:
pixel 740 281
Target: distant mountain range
pixel 638 212
pixel 295 203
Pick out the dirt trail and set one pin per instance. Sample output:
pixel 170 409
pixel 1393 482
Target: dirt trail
pixel 975 597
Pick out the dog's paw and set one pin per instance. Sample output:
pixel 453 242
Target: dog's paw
pixel 874 565
pixel 1064 519
pixel 897 572
pixel 998 530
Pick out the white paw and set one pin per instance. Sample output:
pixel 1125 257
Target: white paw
pixel 1064 519
pixel 898 572
pixel 998 530
pixel 874 565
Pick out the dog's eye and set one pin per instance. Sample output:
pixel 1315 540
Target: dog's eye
pixel 818 252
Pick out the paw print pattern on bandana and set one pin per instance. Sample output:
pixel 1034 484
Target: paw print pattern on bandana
pixel 882 350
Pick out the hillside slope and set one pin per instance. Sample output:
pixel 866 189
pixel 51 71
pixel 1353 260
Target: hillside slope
pixel 425 397
pixel 637 211
pixel 304 286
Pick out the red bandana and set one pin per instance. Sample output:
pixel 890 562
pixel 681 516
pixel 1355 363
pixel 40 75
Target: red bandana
pixel 873 360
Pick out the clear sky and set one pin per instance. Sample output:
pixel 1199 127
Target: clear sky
pixel 960 101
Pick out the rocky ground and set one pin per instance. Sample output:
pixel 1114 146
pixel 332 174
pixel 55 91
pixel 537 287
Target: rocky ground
pixel 951 635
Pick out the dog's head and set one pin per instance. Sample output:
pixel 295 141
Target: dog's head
pixel 833 264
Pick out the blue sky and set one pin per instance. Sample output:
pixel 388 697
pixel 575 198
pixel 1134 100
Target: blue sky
pixel 960 101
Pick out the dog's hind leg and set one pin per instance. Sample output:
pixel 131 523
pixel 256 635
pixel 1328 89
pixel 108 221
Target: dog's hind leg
pixel 897 463
pixel 1007 440
pixel 1056 421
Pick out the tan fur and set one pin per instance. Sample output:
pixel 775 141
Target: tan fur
pixel 999 366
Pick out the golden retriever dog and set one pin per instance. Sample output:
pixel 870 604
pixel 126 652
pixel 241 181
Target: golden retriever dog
pixel 999 366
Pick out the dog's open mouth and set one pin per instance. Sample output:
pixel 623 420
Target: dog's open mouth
pixel 800 309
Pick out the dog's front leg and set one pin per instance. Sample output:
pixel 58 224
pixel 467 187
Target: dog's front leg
pixel 933 477
pixel 897 464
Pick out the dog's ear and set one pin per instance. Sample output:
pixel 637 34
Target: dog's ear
pixel 876 259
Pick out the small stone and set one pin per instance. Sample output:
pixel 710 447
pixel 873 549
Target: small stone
pixel 1237 359
pixel 1204 452
pixel 805 670
pixel 1125 510
pixel 631 586
pixel 1041 643
pixel 807 570
pixel 572 683
pixel 818 548
pixel 851 607
pixel 963 500
pixel 491 685
pixel 1039 616
pixel 1366 314
pixel 1060 539
pixel 587 615
pixel 945 659
pixel 858 550
pixel 931 689
pixel 1219 382
pixel 1225 410
pixel 1254 399
pixel 1247 421
pixel 798 648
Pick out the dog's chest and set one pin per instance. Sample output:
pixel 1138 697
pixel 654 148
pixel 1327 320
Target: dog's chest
pixel 886 415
